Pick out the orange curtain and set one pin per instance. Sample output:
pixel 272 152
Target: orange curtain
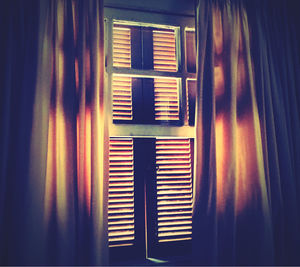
pixel 67 186
pixel 233 219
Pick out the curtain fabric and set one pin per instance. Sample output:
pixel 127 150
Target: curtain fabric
pixel 53 204
pixel 247 171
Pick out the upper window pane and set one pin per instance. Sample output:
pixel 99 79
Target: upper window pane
pixel 144 47
pixel 190 50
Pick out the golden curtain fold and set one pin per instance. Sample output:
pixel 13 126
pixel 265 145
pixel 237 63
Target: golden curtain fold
pixel 67 178
pixel 232 212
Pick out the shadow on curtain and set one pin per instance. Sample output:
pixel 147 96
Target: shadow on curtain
pixel 52 189
pixel 247 187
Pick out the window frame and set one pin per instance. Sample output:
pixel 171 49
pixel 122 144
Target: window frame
pixel 153 19
pixel 148 130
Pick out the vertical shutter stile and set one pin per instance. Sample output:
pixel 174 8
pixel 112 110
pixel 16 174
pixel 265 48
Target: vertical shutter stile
pixel 174 189
pixel 121 230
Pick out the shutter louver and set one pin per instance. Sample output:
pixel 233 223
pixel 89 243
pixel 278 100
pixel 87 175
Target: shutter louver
pixel 121 193
pixel 174 189
pixel 122 98
pixel 121 47
pixel 166 97
pixel 164 50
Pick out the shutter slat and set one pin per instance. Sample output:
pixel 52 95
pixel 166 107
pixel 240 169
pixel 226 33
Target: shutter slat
pixel 164 50
pixel 121 47
pixel 174 187
pixel 121 228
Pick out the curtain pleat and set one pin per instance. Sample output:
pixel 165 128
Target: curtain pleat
pixel 53 191
pixel 205 234
pixel 247 135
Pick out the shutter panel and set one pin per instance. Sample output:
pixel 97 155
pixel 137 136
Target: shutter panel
pixel 121 230
pixel 166 98
pixel 191 87
pixel 122 98
pixel 174 189
pixel 121 47
pixel 164 50
pixel 190 50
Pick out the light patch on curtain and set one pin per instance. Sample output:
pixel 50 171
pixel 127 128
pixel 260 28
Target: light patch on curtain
pixel 56 176
pixel 84 154
pixel 69 124
pixel 240 174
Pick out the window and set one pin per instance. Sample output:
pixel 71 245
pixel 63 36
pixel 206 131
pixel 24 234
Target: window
pixel 145 100
pixel 151 127
pixel 150 197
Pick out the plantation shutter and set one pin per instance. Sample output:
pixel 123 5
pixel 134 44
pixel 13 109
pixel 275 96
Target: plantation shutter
pixel 122 97
pixel 166 97
pixel 121 227
pixel 121 47
pixel 174 189
pixel 164 50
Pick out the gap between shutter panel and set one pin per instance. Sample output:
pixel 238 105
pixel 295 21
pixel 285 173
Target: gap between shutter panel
pixel 121 227
pixel 174 189
pixel 122 97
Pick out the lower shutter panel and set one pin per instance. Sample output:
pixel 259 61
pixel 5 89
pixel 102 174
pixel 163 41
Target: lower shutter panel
pixel 121 225
pixel 174 189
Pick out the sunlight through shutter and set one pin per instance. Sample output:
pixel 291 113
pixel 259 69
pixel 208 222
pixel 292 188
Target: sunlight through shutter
pixel 122 98
pixel 164 50
pixel 174 189
pixel 166 97
pixel 121 193
pixel 121 47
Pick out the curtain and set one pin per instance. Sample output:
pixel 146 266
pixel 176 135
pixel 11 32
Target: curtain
pixel 53 191
pixel 247 207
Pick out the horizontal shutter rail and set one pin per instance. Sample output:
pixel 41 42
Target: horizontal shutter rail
pixel 173 182
pixel 120 189
pixel 172 192
pixel 177 222
pixel 121 47
pixel 121 222
pixel 121 228
pixel 172 157
pixel 122 98
pixel 174 186
pixel 176 165
pixel 116 200
pixel 164 50
pixel 172 228
pixel 175 239
pixel 164 197
pixel 174 218
pixel 115 196
pixel 173 202
pixel 120 217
